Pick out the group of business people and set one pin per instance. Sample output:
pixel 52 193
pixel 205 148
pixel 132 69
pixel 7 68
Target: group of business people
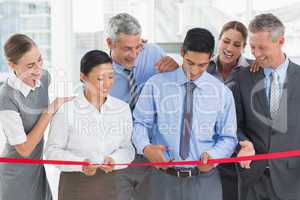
pixel 139 105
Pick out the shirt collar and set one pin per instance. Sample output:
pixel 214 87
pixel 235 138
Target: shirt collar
pixel 117 67
pixel 17 84
pixel 181 78
pixel 280 70
pixel 85 104
pixel 242 62
pixel 120 67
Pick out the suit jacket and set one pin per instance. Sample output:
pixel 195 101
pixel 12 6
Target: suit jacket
pixel 279 134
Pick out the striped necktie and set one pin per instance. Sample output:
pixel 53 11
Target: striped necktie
pixel 132 89
pixel 187 121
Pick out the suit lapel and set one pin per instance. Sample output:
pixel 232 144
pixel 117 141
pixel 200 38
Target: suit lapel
pixel 280 124
pixel 260 95
pixel 291 80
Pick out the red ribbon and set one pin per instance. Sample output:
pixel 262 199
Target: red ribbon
pixel 268 156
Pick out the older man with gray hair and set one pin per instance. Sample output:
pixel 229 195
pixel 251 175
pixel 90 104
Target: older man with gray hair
pixel 267 104
pixel 134 62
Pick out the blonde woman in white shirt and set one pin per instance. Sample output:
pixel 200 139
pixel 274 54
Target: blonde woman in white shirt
pixel 94 127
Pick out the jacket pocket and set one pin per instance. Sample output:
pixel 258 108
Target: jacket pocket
pixel 293 163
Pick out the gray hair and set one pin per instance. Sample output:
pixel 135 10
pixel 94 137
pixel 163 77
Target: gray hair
pixel 123 23
pixel 267 23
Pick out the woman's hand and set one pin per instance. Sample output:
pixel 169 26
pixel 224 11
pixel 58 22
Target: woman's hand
pixel 254 67
pixel 57 103
pixel 89 170
pixel 108 164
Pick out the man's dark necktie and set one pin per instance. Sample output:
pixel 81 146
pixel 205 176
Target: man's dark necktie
pixel 132 88
pixel 187 120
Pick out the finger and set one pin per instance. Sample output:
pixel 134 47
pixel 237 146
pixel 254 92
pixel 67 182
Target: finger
pixel 90 169
pixel 161 147
pixel 107 160
pixel 108 166
pixel 105 169
pixel 65 99
pixel 109 163
pixel 247 165
pixel 251 68
pixel 105 166
pixel 167 63
pixel 170 64
pixel 160 157
pixel 102 168
pixel 244 143
pixel 242 164
pixel 70 98
pixel 110 169
pixel 159 63
pixel 256 67
pixel 205 158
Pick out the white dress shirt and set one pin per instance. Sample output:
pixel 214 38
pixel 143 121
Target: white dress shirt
pixel 11 121
pixel 79 131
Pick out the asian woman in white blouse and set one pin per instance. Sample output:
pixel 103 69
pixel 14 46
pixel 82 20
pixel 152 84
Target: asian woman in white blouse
pixel 94 127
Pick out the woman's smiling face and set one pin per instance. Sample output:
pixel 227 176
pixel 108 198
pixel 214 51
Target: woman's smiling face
pixel 231 45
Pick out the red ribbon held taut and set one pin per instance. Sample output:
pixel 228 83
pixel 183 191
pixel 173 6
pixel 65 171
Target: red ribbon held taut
pixel 268 156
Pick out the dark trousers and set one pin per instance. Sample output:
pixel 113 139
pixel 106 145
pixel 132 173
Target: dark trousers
pixel 262 189
pixel 77 186
pixel 230 181
pixel 130 179
pixel 163 186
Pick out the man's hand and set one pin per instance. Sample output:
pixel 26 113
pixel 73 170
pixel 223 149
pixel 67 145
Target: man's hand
pixel 206 167
pixel 247 149
pixel 155 153
pixel 166 64
pixel 89 170
pixel 107 165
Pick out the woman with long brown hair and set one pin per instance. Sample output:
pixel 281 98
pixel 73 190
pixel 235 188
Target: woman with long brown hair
pixel 225 66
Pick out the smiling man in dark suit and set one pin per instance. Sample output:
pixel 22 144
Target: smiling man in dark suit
pixel 268 111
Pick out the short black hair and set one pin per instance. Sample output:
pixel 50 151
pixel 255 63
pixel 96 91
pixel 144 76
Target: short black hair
pixel 93 58
pixel 199 40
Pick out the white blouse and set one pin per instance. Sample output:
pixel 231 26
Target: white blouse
pixel 79 131
pixel 11 121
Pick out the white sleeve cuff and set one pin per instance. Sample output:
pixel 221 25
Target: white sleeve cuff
pixel 17 140
pixel 12 126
